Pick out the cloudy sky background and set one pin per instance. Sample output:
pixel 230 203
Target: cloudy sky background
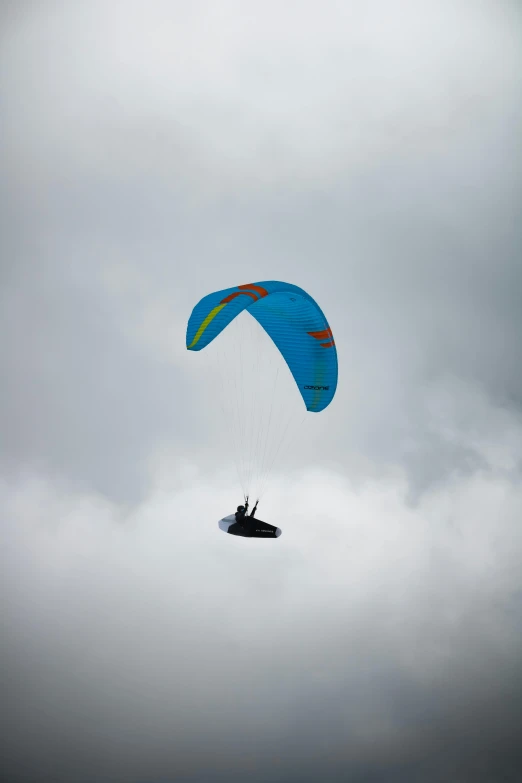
pixel 154 152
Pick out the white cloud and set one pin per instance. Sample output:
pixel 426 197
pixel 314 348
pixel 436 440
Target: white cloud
pixel 215 94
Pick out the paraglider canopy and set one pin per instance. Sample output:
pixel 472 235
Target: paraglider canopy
pixel 278 353
pixel 293 320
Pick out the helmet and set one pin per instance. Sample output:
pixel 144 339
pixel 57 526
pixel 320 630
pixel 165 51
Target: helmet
pixel 240 508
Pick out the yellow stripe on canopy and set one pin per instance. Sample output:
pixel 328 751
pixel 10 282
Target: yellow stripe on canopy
pixel 205 323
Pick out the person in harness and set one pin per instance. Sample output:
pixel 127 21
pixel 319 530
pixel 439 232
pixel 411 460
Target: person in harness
pixel 247 526
pixel 241 514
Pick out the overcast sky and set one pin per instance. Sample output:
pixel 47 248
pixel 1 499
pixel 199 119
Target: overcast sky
pixel 369 152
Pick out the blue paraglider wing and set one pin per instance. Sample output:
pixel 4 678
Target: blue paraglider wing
pixel 293 320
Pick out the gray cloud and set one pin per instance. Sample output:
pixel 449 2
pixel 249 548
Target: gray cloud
pixel 142 647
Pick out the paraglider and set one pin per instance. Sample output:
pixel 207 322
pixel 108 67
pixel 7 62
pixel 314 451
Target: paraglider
pixel 241 513
pixel 298 328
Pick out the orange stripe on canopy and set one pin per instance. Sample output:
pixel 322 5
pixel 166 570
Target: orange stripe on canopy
pixel 327 345
pixel 260 290
pixel 238 293
pixel 322 335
